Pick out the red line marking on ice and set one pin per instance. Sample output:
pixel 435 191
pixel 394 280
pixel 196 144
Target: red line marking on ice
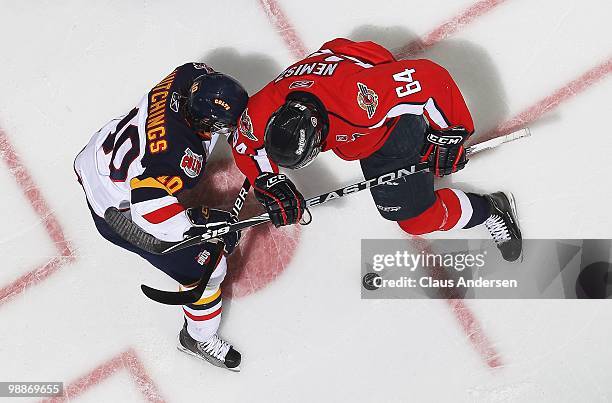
pixel 534 112
pixel 50 222
pixel 471 327
pixel 449 27
pixel 32 277
pixel 279 20
pixel 462 313
pixel 127 360
pixel 33 194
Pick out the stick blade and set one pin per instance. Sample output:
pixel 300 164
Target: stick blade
pixel 170 297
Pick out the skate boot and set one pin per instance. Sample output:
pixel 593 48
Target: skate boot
pixel 216 350
pixel 503 225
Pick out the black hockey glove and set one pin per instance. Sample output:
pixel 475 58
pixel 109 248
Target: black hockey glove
pixel 282 201
pixel 204 218
pixel 444 150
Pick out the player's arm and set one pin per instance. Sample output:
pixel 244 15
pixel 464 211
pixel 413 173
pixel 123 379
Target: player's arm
pixel 278 195
pixel 252 160
pixel 156 207
pixel 248 140
pixel 186 73
pixel 450 123
pixel 275 191
pixel 423 87
pixel 428 85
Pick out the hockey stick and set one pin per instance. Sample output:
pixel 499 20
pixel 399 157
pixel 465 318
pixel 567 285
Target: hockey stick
pixel 192 295
pixel 134 234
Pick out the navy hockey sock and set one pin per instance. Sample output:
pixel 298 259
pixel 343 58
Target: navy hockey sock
pixel 481 210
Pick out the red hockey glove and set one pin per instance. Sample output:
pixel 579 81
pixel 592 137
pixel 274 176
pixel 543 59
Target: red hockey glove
pixel 444 150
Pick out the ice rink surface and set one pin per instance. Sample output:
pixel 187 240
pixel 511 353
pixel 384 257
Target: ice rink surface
pixel 70 305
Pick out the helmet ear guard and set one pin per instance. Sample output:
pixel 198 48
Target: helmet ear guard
pixel 294 134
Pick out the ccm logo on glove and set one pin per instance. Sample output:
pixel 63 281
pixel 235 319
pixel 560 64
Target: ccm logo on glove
pixel 444 140
pixel 276 179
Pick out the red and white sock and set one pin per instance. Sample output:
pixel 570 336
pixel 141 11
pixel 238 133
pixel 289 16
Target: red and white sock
pixel 204 316
pixel 451 210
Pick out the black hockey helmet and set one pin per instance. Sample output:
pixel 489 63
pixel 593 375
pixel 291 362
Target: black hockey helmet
pixel 295 133
pixel 214 103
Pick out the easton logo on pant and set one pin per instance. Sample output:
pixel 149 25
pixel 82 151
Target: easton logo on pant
pixel 191 163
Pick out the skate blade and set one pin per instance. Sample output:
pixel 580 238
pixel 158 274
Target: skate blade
pixel 514 211
pixel 191 353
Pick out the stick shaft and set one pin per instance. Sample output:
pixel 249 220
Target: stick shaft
pixel 354 188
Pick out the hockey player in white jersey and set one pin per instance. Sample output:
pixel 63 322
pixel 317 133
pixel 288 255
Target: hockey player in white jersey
pixel 145 163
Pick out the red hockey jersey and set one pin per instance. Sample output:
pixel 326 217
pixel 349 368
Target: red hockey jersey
pixel 364 90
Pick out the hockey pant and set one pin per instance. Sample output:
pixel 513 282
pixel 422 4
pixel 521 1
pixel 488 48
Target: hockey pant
pixel 412 201
pixel 184 266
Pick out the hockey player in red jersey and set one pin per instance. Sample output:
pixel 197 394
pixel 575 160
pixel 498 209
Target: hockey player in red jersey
pixel 355 99
pixel 146 162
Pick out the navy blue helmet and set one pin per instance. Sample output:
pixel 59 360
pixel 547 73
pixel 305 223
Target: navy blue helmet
pixel 214 103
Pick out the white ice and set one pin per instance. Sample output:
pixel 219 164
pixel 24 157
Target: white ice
pixel 69 66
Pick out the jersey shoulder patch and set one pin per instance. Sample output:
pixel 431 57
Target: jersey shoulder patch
pixel 245 125
pixel 192 163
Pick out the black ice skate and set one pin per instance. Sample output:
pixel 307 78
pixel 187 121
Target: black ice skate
pixel 503 225
pixel 216 351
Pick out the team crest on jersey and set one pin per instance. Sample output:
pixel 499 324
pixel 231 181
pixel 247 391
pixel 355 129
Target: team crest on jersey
pixel 174 102
pixel 301 84
pixel 367 99
pixel 246 125
pixel 191 163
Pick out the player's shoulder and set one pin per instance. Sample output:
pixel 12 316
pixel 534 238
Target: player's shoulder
pixel 181 78
pixel 180 137
pixel 260 106
pixel 249 135
pixel 390 74
pixel 427 66
pixel 182 153
pixel 270 92
pixel 368 51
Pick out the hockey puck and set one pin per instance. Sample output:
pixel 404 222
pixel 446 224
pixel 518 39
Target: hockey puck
pixel 368 281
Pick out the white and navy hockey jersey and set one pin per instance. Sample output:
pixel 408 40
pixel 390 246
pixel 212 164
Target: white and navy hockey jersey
pixel 144 159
